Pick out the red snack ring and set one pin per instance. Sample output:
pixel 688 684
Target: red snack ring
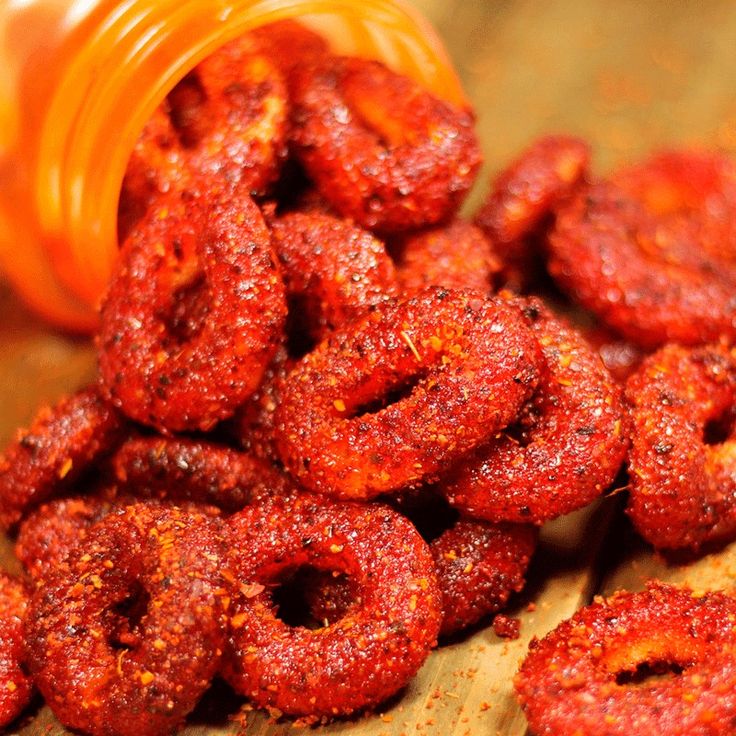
pixel 685 189
pixel 649 279
pixel 333 270
pixel 16 686
pixel 468 362
pixel 381 149
pixel 528 190
pixel 478 566
pixel 231 114
pixel 582 678
pixel 48 534
pixel 682 486
pixel 61 443
pixel 525 194
pixel 157 165
pixel 192 470
pixel 253 423
pixel 289 44
pixel 188 326
pixel 103 672
pixel 456 256
pixel 564 449
pixel 53 531
pixel 361 659
pixel 224 125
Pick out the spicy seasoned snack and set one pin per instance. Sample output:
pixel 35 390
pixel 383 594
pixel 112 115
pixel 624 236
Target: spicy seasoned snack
pixel 157 165
pixel 479 565
pixel 360 659
pixel 225 122
pixel 61 443
pixel 192 470
pixel 231 114
pixel 381 149
pixel 53 531
pixel 395 397
pixel 194 313
pixel 682 460
pixel 525 195
pixel 126 637
pixel 217 307
pixel 48 534
pixel 16 685
pixel 688 189
pixel 651 280
pixel 565 447
pixel 333 271
pixel 584 677
pixel 456 256
pixel 290 44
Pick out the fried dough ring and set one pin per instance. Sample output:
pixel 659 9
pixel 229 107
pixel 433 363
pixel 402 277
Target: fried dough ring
pixel 61 443
pixel 231 113
pixel 193 314
pixel 469 361
pixel 565 447
pixel 157 166
pixel 52 532
pixel 191 470
pixel 582 677
pixel 650 279
pixel 381 149
pixel 367 655
pixel 48 534
pixel 223 126
pixel 104 673
pixel 525 195
pixel 682 487
pixel 334 271
pixel 456 256
pixel 479 565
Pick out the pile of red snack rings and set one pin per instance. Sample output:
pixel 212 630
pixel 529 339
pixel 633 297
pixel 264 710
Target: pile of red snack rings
pixel 314 374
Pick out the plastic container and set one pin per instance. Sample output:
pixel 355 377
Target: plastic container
pixel 79 79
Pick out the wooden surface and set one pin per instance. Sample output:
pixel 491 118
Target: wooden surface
pixel 629 76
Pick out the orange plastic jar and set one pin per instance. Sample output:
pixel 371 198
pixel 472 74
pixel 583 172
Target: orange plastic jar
pixel 79 79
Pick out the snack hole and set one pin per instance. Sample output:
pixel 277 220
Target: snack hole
pixel 392 395
pixel 721 428
pixel 299 601
pixel 128 615
pixel 299 339
pixel 189 310
pixel 648 673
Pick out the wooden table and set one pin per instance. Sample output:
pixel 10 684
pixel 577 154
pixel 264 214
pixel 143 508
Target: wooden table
pixel 628 76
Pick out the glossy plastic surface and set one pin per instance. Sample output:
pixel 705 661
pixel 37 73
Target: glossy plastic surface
pixel 78 80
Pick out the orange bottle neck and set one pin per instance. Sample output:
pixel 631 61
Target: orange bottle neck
pixel 83 83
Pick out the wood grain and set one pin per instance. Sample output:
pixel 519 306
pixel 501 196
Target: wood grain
pixel 629 76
